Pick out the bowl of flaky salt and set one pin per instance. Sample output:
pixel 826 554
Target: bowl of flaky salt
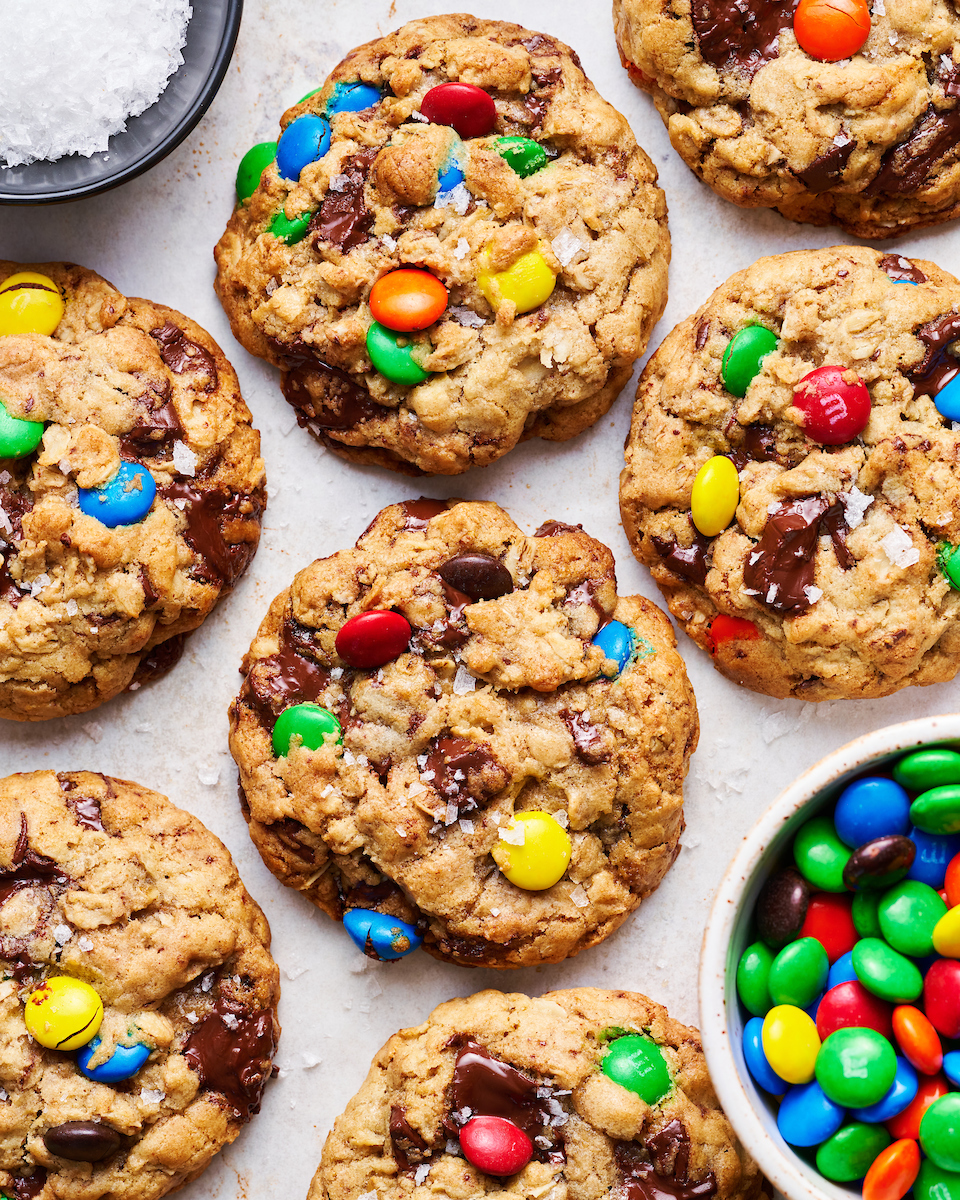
pixel 93 94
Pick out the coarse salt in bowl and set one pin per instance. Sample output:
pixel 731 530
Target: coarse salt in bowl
pixel 211 34
pixel 752 1112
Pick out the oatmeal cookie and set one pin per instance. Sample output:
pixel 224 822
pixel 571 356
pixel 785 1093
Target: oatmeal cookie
pixel 822 387
pixel 493 742
pixel 131 488
pixel 824 129
pixel 548 1076
pixel 137 991
pixel 459 245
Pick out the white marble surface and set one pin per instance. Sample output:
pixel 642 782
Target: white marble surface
pixel 154 237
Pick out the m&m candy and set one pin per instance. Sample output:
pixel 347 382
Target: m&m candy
pixel 948 558
pixel 63 1013
pixel 313 725
pixel 304 141
pixel 252 166
pixel 831 29
pixel 18 437
pixel 527 282
pixel 616 641
pixel 534 851
pixel 715 495
pixel 29 303
pixel 373 638
pixel 466 108
pixel 290 230
pixel 407 299
pixel 835 404
pixel 379 935
pixel 392 355
pixel 123 1063
pixel 124 500
pixel 873 1087
pixel 495 1145
pixel 637 1064
pixel 523 154
pixel 352 97
pixel 743 357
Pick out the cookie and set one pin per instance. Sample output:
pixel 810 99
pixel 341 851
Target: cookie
pixel 460 734
pixel 791 474
pixel 550 1076
pixel 832 114
pixel 137 993
pixel 131 488
pixel 458 245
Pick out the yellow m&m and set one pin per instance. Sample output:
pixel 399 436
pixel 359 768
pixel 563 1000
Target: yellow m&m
pixel 29 303
pixel 535 851
pixel 716 494
pixel 946 933
pixel 528 282
pixel 63 1013
pixel 790 1042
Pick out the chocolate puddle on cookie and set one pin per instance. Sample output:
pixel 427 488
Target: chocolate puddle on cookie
pixel 780 568
pixel 28 868
pixel 905 166
pixel 741 34
pixel 666 1176
pixel 938 366
pixel 206 512
pixel 464 772
pixel 181 353
pixel 231 1050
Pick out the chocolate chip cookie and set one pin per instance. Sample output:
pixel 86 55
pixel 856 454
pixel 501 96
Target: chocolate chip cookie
pixel 792 476
pixel 833 113
pixel 131 488
pixel 584 1093
pixel 457 246
pixel 458 734
pixel 137 991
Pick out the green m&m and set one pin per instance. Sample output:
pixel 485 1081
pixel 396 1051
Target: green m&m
pixel 820 855
pixel 17 436
pixel 742 358
pixel 637 1064
pixel 934 1183
pixel 948 560
pixel 937 810
pixel 864 912
pixel 931 767
pixel 799 973
pixel 289 231
pixel 847 1155
pixel 753 978
pixel 855 1067
pixel 393 360
pixel 523 154
pixel 886 973
pixel 310 723
pixel 940 1132
pixel 252 165
pixel 908 913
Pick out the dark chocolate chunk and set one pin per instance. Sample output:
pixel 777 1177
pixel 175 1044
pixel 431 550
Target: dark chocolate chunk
pixel 82 1141
pixel 25 1187
pixel 760 442
pixel 537 101
pixel 464 772
pixel 879 863
pixel 782 907
pixel 586 593
pixel 552 528
pixel 479 576
pixel 409 1148
pixel 285 678
pixel 327 398
pixel 181 353
pixel 740 34
pixel 207 511
pixel 897 267
pixel 9 590
pixel 156 428
pixel 703 332
pixel 827 169
pixel 28 868
pixel 85 808
pixel 15 502
pixel 780 568
pixel 666 1177
pixel 418 513
pixel 938 366
pixel 587 738
pixel 905 166
pixel 343 218
pixel 231 1051
pixel 688 561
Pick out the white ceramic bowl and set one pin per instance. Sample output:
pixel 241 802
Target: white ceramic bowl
pixel 751 1111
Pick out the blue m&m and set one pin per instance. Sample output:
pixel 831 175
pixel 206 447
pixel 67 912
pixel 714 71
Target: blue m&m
pixel 380 935
pixel 947 400
pixel 352 97
pixel 304 141
pixel 123 1063
pixel 616 641
pixel 125 500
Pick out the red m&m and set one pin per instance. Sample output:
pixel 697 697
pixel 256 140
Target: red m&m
pixel 371 639
pixel 495 1145
pixel 407 299
pixel 834 402
pixel 466 108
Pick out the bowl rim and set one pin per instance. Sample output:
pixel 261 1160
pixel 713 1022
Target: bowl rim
pixel 784 1169
pixel 186 125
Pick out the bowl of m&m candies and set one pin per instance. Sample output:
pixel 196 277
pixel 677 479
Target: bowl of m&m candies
pixel 830 974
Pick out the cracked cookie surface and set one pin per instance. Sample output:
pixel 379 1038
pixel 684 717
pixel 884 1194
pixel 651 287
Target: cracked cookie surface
pixel 536 1062
pixel 496 707
pixel 831 565
pixel 592 212
pixel 106 882
pixel 87 609
pixel 870 143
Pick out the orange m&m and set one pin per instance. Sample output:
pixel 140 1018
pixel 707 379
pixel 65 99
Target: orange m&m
pixel 893 1171
pixel 952 882
pixel 831 29
pixel 918 1039
pixel 407 299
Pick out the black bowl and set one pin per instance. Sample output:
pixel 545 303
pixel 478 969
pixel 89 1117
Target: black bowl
pixel 211 36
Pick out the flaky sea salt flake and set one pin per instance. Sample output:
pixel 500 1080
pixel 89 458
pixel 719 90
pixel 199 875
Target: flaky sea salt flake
pixel 513 834
pixel 62 934
pixel 457 198
pixel 463 682
pixel 566 247
pixel 899 548
pixel 812 593
pixel 184 459
pixel 855 504
pixel 421 1173
pixel 579 897
pixel 466 316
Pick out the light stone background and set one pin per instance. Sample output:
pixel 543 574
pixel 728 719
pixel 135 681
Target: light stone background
pixel 154 237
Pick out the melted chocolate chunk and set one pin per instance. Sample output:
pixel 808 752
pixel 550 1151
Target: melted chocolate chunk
pixel 28 868
pixel 207 511
pixel 780 568
pixel 552 528
pixel 587 738
pixel 409 1148
pixel 491 1088
pixel 417 514
pixel 827 169
pixel 181 353
pixel 343 218
pixel 479 576
pixel 284 678
pixel 157 428
pixel 334 401
pixel 368 895
pixel 82 1141
pixel 158 661
pixel 666 1177
pixel 233 1057
pixel 688 561
pixel 895 266
pixel 703 333
pixel 905 166
pixel 9 590
pixel 290 832
pixel 951 82
pixel 741 34
pixel 760 442
pixel 25 1187
pixel 465 773
pixel 537 101
pixel 85 808
pixel 586 593
pixel 938 366
pixel 15 503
